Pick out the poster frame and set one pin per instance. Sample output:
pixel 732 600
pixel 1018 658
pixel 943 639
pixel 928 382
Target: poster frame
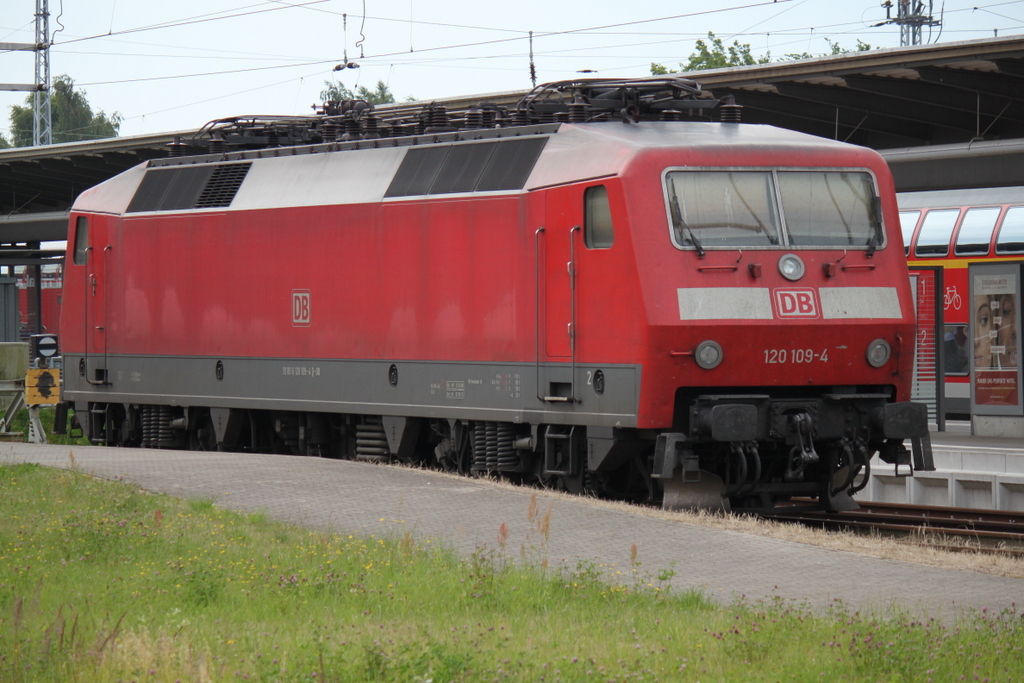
pixel 976 272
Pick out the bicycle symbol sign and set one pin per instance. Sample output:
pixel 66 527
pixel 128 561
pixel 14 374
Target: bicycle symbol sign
pixel 951 299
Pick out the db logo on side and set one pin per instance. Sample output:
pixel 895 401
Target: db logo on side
pixel 300 307
pixel 796 303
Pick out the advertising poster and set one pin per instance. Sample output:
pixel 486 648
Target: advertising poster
pixel 994 328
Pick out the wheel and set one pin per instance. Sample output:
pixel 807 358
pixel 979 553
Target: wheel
pixel 201 435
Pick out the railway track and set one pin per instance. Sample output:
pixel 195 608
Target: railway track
pixel 947 528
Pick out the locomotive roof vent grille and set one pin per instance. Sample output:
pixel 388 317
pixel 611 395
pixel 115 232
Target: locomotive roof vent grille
pixel 475 167
pixel 222 186
pixel 188 187
pixel 169 189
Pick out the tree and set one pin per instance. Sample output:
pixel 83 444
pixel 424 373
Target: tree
pixel 714 56
pixel 835 50
pixel 336 91
pixel 838 49
pixel 71 117
pixel 718 56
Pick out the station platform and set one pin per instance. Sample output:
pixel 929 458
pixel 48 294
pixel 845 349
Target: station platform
pixel 466 514
pixel 970 472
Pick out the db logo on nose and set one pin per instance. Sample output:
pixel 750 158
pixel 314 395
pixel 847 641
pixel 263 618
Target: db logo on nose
pixel 300 307
pixel 796 303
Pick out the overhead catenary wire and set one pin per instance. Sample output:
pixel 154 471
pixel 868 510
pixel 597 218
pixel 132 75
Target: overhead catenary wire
pixel 306 5
pixel 599 30
pixel 412 59
pixel 766 19
pixel 203 18
pixel 335 60
pixel 435 55
pixel 219 97
pixel 1001 16
pixel 209 73
pixel 447 47
pixel 310 5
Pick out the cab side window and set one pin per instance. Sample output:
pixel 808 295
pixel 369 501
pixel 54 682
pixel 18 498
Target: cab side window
pixel 597 218
pixel 81 241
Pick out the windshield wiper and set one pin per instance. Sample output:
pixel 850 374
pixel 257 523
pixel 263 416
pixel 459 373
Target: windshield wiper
pixel 677 216
pixel 872 244
pixel 876 206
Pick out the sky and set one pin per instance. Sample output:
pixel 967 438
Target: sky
pixel 171 66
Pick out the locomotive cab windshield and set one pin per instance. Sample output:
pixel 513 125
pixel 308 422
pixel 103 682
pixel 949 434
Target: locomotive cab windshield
pixel 769 208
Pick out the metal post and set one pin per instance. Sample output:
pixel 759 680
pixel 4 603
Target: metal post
pixel 36 433
pixel 41 114
pixel 35 298
pixel 533 69
pixel 940 347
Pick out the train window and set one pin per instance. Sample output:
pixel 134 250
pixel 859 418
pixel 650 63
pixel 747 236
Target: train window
pixel 933 240
pixel 597 220
pixel 829 209
pixel 908 221
pixel 723 208
pixel 976 231
pixel 1011 234
pixel 81 241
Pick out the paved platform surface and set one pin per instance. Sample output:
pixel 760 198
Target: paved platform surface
pixel 352 497
pixel 958 436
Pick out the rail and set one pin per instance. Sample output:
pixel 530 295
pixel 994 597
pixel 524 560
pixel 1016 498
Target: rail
pixel 947 528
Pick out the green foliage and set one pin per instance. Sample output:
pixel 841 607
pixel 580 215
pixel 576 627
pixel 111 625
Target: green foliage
pixel 335 91
pixel 716 55
pixel 838 49
pixel 835 49
pixel 100 582
pixel 3 142
pixel 71 117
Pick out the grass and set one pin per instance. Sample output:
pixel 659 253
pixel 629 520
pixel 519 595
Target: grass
pixel 101 582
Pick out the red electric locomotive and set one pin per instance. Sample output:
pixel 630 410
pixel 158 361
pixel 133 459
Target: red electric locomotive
pixel 711 314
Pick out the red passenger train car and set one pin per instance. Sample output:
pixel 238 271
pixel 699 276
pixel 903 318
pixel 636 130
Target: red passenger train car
pixel 50 293
pixel 707 314
pixel 952 229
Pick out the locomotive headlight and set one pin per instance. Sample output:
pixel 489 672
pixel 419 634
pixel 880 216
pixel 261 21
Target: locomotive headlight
pixel 791 266
pixel 878 353
pixel 708 354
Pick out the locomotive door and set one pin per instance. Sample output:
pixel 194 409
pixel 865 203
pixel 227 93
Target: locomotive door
pixel 559 270
pixel 557 303
pixel 97 254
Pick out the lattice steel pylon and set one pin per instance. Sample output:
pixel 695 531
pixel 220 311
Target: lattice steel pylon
pixel 40 89
pixel 42 129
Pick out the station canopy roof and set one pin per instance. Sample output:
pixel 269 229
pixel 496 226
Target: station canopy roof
pixel 945 116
